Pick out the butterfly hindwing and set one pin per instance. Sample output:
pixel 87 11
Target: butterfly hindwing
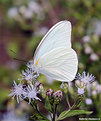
pixel 60 64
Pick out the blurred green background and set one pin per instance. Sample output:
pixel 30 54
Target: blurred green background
pixel 23 23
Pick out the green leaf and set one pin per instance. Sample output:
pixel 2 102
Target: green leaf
pixel 48 105
pixel 71 113
pixel 78 101
pixel 39 117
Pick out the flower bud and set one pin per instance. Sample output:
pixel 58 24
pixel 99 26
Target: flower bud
pixel 40 88
pixel 94 94
pixel 57 96
pixel 64 86
pixel 70 88
pixel 49 92
pixel 88 101
pixel 37 85
pixel 81 91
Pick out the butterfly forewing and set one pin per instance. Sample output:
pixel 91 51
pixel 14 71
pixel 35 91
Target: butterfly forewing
pixel 58 36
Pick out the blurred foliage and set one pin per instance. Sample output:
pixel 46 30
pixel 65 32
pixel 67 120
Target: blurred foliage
pixel 23 23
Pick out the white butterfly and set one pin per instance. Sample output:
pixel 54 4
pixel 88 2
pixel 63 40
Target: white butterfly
pixel 54 56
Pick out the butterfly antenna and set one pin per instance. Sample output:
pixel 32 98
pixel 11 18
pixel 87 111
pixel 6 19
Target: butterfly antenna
pixel 12 51
pixel 17 58
pixel 20 60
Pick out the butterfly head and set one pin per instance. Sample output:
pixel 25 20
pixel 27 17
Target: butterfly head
pixel 30 64
pixel 34 65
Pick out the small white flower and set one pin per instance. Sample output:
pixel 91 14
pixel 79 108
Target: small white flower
pixel 28 14
pixel 94 92
pixel 17 91
pixel 34 6
pixel 22 10
pixel 81 91
pixel 88 50
pixel 94 57
pixel 86 39
pixel 78 83
pixel 32 93
pixel 85 78
pixel 94 85
pixel 98 88
pixel 12 12
pixel 29 74
pixel 88 101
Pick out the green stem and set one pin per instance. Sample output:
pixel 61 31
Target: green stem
pixel 68 101
pixel 54 112
pixel 36 107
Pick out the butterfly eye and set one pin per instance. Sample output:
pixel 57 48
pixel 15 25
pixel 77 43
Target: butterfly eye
pixel 29 64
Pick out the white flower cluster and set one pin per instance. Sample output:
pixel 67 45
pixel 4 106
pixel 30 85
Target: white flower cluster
pixel 83 81
pixel 96 88
pixel 88 49
pixel 18 91
pixel 86 85
pixel 86 82
pixel 29 75
pixel 33 9
pixel 28 91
